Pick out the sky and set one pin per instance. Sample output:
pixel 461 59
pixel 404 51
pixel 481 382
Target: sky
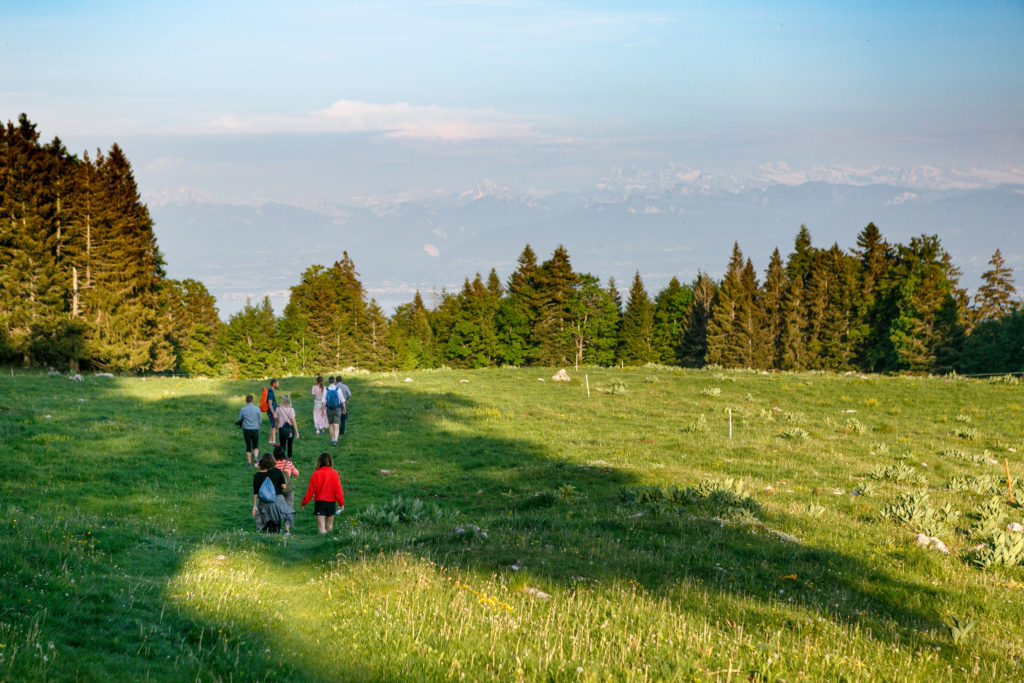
pixel 313 103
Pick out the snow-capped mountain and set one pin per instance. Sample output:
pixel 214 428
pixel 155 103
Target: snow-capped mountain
pixel 668 222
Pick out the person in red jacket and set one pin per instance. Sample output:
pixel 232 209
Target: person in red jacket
pixel 325 488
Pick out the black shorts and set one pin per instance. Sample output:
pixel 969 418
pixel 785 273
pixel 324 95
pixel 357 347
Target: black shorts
pixel 252 439
pixel 325 508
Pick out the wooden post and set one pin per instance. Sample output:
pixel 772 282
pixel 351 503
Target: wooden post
pixel 1009 487
pixel 730 423
pixel 74 292
pixel 587 377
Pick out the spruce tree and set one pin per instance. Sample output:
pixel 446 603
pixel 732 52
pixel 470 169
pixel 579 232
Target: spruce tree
pixel 725 333
pixel 695 345
pixel 772 304
pixel 636 336
pixel 249 341
pixel 671 314
pixel 517 312
pixel 996 297
pixel 554 284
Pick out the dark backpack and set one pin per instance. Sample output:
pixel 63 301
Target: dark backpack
pixel 333 398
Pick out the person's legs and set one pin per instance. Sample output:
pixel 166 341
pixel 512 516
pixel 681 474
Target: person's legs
pixel 273 429
pixel 341 423
pixel 329 521
pixel 321 524
pixel 288 446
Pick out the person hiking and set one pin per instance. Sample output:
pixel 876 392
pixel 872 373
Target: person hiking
pixel 250 418
pixel 325 488
pixel 287 427
pixel 270 406
pixel 335 402
pixel 346 395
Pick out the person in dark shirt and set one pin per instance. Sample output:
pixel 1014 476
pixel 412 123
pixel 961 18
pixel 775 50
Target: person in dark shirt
pixel 268 516
pixel 272 410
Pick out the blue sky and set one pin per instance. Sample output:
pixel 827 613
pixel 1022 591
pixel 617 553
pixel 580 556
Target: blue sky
pixel 730 84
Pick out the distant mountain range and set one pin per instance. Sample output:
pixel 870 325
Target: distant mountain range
pixel 673 222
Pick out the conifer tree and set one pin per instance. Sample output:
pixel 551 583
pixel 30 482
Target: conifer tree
pixel 249 341
pixel 996 297
pixel 636 335
pixel 866 332
pixel 517 312
pixel 554 285
pixel 772 299
pixel 732 319
pixel 671 314
pixel 695 344
pixel 193 327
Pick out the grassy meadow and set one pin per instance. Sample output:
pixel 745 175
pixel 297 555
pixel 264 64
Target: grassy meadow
pixel 502 528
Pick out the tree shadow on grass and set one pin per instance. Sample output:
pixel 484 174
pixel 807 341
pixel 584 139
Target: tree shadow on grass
pixel 153 478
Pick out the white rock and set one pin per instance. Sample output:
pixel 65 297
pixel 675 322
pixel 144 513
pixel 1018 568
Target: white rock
pixel 540 379
pixel 407 380
pixel 977 548
pixel 385 473
pixel 560 376
pixel 849 411
pixel 931 542
pixel 463 381
pixel 537 593
pixel 75 377
pixel 103 374
pixel 1015 528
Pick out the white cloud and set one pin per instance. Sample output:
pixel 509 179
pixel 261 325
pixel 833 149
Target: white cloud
pixel 440 233
pixel 431 250
pixel 396 120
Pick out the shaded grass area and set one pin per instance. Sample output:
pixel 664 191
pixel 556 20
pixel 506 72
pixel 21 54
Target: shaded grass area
pixel 667 549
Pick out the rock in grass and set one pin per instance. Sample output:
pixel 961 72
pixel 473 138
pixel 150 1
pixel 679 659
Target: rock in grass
pixel 926 541
pixel 407 380
pixel 537 593
pixel 560 376
pixel 1015 528
pixel 75 377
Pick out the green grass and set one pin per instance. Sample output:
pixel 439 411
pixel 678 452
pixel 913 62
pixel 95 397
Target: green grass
pixel 622 536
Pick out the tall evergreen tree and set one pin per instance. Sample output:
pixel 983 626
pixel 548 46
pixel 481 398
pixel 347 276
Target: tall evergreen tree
pixel 517 312
pixel 671 314
pixel 996 297
pixel 695 342
pixel 735 329
pixel 636 336
pixel 249 341
pixel 772 299
pixel 555 284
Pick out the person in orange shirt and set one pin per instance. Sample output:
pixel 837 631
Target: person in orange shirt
pixel 325 489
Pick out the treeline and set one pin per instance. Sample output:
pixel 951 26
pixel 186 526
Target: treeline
pixel 82 281
pixel 81 277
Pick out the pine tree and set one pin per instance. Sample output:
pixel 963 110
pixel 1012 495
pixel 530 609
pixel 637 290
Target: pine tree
pixel 866 332
pixel 921 311
pixel 772 304
pixel 554 284
pixel 695 344
pixel 193 326
pixel 728 343
pixel 671 314
pixel 636 336
pixel 249 341
pixel 996 296
pixel 517 312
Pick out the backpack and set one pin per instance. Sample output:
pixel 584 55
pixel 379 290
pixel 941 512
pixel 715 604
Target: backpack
pixel 333 398
pixel 267 493
pixel 264 406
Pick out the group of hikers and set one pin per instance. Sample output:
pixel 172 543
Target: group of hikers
pixel 273 484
